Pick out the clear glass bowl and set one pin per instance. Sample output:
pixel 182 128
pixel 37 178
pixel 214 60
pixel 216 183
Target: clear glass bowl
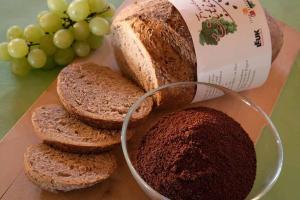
pixel 254 120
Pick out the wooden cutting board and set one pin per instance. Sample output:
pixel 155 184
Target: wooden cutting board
pixel 15 186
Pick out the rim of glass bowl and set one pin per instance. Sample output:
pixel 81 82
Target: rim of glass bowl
pixel 226 91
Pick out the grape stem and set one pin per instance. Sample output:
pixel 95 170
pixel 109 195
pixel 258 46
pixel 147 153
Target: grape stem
pixel 30 44
pixel 88 19
pixel 90 16
pixel 68 22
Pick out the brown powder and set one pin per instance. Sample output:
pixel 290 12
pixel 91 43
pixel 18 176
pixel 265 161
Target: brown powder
pixel 198 153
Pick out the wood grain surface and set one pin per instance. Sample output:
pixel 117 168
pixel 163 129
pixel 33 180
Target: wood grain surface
pixel 15 186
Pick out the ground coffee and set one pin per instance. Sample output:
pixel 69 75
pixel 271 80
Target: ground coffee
pixel 198 153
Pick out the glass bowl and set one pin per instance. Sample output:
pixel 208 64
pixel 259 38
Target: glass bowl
pixel 253 119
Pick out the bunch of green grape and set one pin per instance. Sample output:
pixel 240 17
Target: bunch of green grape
pixel 61 33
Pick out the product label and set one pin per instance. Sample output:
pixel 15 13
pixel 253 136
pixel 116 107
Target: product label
pixel 231 40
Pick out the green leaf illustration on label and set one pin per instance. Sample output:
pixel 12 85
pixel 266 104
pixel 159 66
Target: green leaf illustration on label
pixel 214 29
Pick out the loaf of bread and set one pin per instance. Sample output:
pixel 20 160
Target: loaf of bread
pixel 56 127
pixel 99 96
pixel 153 46
pixel 54 170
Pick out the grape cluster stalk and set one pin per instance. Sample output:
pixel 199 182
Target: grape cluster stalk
pixel 60 34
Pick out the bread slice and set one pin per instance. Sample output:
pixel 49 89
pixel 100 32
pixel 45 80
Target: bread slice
pixel 56 127
pixel 99 96
pixel 152 53
pixel 153 46
pixel 54 170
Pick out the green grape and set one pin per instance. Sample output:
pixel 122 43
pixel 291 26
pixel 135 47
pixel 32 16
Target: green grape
pixel 50 64
pixel 64 56
pixel 81 30
pixel 63 38
pixel 109 13
pixel 99 26
pixel 41 14
pixel 81 49
pixel 97 5
pixel 95 41
pixel 33 33
pixel 57 5
pixel 37 58
pixel 50 22
pixel 47 45
pixel 4 55
pixel 17 48
pixel 14 32
pixel 20 66
pixel 78 10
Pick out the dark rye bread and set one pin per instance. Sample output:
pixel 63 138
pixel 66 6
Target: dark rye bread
pixel 99 96
pixel 54 170
pixel 56 127
pixel 153 46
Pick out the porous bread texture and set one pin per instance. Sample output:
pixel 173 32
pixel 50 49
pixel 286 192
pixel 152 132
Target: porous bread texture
pixel 56 127
pixel 99 96
pixel 153 46
pixel 55 171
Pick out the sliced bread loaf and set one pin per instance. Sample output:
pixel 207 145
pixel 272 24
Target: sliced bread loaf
pixel 55 126
pixel 99 96
pixel 153 46
pixel 54 170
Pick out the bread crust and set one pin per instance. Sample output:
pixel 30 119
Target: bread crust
pixel 164 34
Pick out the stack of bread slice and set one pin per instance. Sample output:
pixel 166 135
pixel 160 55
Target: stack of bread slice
pixel 79 134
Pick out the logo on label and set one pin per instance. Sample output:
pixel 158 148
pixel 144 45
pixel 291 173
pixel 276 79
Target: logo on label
pixel 249 10
pixel 252 13
pixel 258 38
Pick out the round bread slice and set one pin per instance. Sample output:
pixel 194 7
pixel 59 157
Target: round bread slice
pixel 55 126
pixel 99 96
pixel 54 170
